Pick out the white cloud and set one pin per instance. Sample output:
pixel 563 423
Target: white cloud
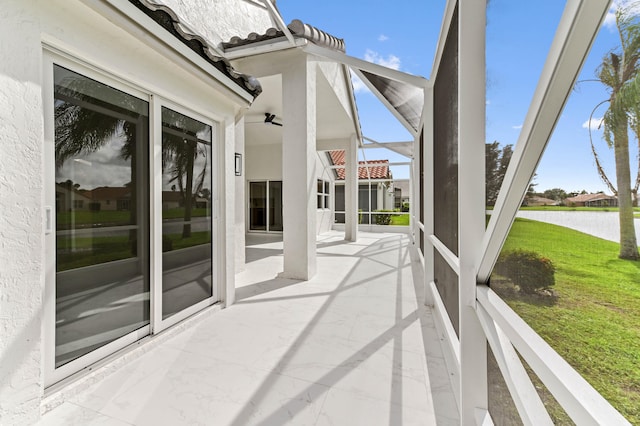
pixel 382 37
pixel 358 84
pixel 518 127
pixel 391 61
pixel 610 19
pixel 593 124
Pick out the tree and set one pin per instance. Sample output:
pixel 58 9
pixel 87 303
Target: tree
pixel 496 163
pixel 556 194
pixel 620 73
pixel 180 148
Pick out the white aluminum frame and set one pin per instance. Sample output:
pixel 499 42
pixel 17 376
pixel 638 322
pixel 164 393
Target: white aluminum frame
pixel 248 206
pixel 54 53
pixel 217 243
pixel 52 375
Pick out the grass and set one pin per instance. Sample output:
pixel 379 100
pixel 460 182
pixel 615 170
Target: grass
pixel 103 218
pixel 400 220
pixel 594 320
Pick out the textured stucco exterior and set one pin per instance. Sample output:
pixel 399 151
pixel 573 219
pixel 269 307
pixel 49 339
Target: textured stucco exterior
pixel 21 193
pixel 231 17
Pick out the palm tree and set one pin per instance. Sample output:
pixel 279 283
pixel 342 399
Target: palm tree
pixel 620 73
pixel 180 148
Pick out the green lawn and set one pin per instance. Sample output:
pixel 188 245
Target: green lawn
pixel 594 320
pixel 400 220
pixel 103 218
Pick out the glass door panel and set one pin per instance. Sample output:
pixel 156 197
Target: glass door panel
pixel 275 206
pixel 186 212
pixel 258 206
pixel 102 215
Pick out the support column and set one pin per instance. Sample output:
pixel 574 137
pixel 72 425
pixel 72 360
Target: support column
pixel 299 168
pixel 351 190
pixel 471 204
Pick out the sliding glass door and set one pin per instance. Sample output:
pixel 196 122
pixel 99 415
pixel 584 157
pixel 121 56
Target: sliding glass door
pixel 132 245
pixel 265 206
pixel 186 212
pixel 101 212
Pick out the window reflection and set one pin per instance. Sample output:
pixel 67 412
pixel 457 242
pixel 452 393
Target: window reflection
pixel 102 260
pixel 186 212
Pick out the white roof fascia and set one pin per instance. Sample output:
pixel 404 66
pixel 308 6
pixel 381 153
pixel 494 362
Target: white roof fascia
pixel 273 45
pixel 275 14
pixel 386 103
pixel 576 32
pixel 372 68
pixel 133 20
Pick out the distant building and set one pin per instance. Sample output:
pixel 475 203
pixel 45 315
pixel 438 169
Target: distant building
pixel 592 200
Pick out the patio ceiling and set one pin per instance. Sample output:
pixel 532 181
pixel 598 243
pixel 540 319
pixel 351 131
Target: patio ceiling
pixel 332 121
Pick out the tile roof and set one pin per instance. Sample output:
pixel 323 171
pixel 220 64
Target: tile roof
pixel 171 22
pixel 108 193
pixel 298 29
pixel 378 169
pixel 583 198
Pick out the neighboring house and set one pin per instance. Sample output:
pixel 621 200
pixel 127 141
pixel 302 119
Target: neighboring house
pixel 71 199
pixel 106 198
pixel 375 187
pixel 540 201
pixel 592 200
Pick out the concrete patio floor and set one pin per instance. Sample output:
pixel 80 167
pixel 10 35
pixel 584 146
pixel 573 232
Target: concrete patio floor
pixel 352 346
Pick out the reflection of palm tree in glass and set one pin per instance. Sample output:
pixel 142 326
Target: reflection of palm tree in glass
pixel 180 149
pixel 84 124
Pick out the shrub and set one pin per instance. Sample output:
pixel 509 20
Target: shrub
pixel 383 217
pixel 527 269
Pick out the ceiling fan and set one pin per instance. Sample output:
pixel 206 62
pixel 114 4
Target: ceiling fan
pixel 268 119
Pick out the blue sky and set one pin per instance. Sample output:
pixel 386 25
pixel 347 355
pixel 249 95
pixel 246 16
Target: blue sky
pixel 403 35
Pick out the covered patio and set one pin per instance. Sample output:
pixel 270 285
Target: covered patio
pixel 353 345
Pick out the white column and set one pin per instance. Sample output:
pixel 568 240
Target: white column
pixel 224 210
pixel 299 168
pixel 471 204
pixel 351 190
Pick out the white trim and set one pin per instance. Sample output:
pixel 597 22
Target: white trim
pixel 525 397
pixel 578 398
pixel 452 260
pixel 451 344
pixel 576 32
pixel 370 67
pixel 270 46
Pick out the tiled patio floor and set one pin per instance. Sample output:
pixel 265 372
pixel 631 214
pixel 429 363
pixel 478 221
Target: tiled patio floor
pixel 352 346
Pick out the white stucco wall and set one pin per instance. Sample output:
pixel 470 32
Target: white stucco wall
pixel 335 76
pixel 219 20
pixel 21 194
pixel 264 162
